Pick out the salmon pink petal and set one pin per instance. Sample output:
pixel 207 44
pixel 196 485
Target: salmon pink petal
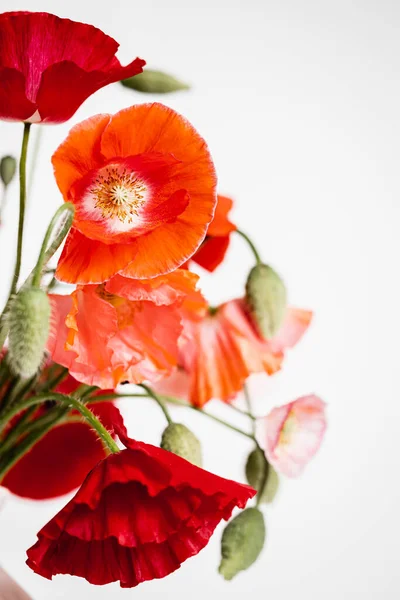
pixel 295 325
pixel 220 353
pixel 176 385
pixel 90 261
pixel 163 290
pixel 153 335
pixel 293 434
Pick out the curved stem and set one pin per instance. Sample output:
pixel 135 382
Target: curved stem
pixel 160 402
pixel 70 401
pixel 252 246
pixel 64 208
pixel 210 416
pixel 249 407
pixel 22 203
pixel 266 465
pixel 114 396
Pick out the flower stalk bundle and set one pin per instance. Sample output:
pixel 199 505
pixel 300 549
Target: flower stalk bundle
pixel 140 209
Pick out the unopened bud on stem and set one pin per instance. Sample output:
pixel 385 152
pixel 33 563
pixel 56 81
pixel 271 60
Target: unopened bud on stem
pixel 8 167
pixel 266 298
pixel 177 438
pixel 29 323
pixel 242 542
pixel 260 473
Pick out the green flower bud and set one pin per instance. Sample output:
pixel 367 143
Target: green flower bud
pixel 266 298
pixel 177 438
pixel 29 323
pixel 255 473
pixel 154 82
pixel 8 166
pixel 242 541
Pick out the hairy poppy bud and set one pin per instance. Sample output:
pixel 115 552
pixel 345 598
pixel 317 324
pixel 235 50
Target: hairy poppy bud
pixel 154 82
pixel 255 474
pixel 266 298
pixel 242 541
pixel 29 323
pixel 177 438
pixel 8 166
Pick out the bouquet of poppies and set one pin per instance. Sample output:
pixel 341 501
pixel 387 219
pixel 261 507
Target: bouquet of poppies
pixel 140 207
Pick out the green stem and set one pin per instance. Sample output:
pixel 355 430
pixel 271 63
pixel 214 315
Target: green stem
pixel 115 396
pixel 3 201
pixel 265 469
pixel 249 406
pixel 245 413
pixel 252 246
pixel 160 402
pixel 22 203
pixel 65 227
pixel 70 401
pixel 39 430
pixel 210 416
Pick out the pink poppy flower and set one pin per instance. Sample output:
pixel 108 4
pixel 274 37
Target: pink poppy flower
pixel 293 434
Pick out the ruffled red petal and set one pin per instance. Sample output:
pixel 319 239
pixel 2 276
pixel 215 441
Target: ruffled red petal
pixel 138 515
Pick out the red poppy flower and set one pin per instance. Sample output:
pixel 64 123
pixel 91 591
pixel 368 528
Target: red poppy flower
pixel 60 461
pixel 124 330
pixel 49 66
pixel 143 185
pixel 138 516
pixel 220 351
pixel 213 249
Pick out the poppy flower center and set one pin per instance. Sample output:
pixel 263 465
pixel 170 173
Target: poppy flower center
pixel 118 193
pixel 288 430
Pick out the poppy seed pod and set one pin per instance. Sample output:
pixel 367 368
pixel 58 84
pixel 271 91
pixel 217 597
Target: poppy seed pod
pixel 256 463
pixel 177 438
pixel 8 167
pixel 242 541
pixel 29 322
pixel 266 298
pixel 154 82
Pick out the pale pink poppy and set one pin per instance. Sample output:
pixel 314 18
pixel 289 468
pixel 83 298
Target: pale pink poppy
pixel 293 433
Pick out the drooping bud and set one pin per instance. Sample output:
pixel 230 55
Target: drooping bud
pixel 177 438
pixel 29 323
pixel 154 82
pixel 8 166
pixel 260 473
pixel 242 542
pixel 266 298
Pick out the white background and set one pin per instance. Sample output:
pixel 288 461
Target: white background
pixel 299 102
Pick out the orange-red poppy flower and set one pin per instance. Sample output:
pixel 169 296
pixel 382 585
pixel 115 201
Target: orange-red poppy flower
pixel 49 66
pixel 220 351
pixel 213 249
pixel 124 330
pixel 143 185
